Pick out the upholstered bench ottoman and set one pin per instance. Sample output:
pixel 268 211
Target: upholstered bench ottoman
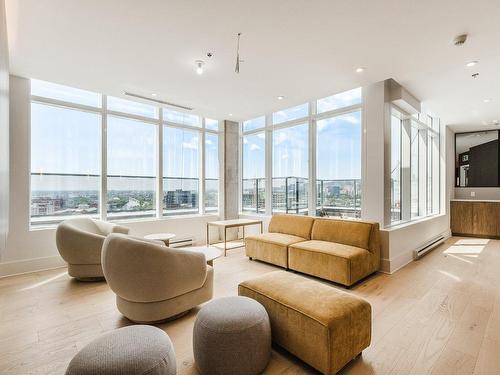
pixel 319 324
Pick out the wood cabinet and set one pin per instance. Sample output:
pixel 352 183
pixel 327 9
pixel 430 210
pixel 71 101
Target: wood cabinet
pixel 479 219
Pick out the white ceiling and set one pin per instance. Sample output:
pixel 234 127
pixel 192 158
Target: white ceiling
pixel 301 49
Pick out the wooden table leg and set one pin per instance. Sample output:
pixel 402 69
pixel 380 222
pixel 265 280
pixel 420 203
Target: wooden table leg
pixel 208 235
pixel 210 263
pixel 261 228
pixel 243 233
pixel 167 243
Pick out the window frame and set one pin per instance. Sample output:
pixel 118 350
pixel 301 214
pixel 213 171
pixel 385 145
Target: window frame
pixel 158 121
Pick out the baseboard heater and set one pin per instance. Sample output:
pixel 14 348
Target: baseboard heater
pixel 181 242
pixel 418 253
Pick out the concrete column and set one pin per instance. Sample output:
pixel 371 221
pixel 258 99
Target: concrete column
pixel 374 143
pixel 231 183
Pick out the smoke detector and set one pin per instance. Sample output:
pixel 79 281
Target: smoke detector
pixel 460 40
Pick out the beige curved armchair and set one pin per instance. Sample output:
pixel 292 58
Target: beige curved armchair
pixel 154 283
pixel 79 241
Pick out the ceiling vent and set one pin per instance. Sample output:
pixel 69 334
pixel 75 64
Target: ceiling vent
pixel 460 40
pixel 158 101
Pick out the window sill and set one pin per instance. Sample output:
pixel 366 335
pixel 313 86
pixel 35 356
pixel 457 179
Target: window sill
pixel 137 220
pixel 404 224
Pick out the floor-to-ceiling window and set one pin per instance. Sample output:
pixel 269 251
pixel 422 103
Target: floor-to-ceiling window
pixel 415 177
pixel 395 167
pixel 211 166
pixel 180 170
pixel 131 159
pixel 338 160
pixel 321 139
pixel 78 134
pixel 290 169
pixel 63 183
pixel 253 168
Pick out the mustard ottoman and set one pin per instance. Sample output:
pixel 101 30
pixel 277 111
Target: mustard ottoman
pixel 324 327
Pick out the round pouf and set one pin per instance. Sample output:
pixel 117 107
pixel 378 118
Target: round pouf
pixel 126 351
pixel 232 335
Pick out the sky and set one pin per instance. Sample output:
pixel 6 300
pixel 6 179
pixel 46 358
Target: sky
pixel 338 150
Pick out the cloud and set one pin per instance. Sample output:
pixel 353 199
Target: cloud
pixel 192 144
pixel 254 147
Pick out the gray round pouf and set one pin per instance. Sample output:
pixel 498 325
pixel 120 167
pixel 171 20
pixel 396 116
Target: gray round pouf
pixel 126 351
pixel 232 335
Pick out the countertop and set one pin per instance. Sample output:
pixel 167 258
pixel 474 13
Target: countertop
pixel 476 200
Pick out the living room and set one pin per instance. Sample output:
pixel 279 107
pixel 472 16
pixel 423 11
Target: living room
pixel 230 188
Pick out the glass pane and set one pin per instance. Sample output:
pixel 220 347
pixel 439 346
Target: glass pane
pixel 211 172
pixel 338 158
pixel 430 165
pixel 395 169
pixel 414 171
pixel 180 171
pixel 181 118
pixel 65 93
pixel 255 123
pixel 131 168
pixel 289 114
pixel 62 182
pixel 211 124
pixel 436 169
pixel 290 169
pixel 131 107
pixel 344 99
pixel 254 186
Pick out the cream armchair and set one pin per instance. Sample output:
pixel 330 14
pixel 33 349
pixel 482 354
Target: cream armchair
pixel 79 241
pixel 154 283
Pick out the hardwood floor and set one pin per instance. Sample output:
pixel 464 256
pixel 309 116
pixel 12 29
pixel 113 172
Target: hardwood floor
pixel 438 315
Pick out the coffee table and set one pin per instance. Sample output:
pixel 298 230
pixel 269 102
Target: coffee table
pixel 211 253
pixel 165 237
pixel 225 225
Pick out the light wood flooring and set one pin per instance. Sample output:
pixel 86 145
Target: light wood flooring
pixel 438 315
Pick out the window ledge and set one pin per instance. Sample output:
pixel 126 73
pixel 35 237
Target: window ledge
pixel 405 224
pixel 51 227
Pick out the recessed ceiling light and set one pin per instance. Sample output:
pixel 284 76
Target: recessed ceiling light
pixel 496 122
pixel 471 63
pixel 281 97
pixel 199 66
pixel 487 100
pixel 360 69
pixel 153 94
pixel 230 115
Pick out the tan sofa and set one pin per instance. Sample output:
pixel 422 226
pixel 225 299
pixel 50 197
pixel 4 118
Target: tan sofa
pixel 79 241
pixel 153 282
pixel 342 251
pixel 284 230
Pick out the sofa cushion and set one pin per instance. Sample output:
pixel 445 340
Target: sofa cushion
pixel 336 262
pixel 295 225
pixel 347 232
pixel 321 325
pixel 276 238
pixel 271 247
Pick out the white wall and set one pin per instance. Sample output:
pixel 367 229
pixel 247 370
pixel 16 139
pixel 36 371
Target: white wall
pixel 4 130
pixel 29 250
